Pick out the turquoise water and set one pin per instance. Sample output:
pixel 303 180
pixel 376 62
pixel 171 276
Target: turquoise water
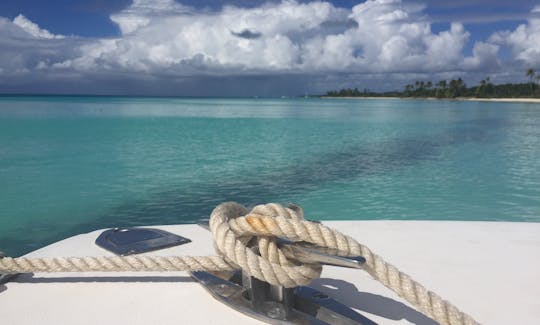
pixel 75 164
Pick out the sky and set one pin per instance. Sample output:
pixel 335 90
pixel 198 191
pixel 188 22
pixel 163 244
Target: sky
pixel 260 48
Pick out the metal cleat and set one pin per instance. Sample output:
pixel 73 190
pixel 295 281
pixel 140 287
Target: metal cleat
pixel 309 253
pixel 280 305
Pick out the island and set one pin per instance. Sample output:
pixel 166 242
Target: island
pixel 455 89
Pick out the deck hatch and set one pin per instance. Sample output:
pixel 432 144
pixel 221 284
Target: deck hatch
pixel 127 241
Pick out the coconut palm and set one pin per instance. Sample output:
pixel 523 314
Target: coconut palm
pixel 530 73
pixel 482 88
pixel 408 89
pixel 489 89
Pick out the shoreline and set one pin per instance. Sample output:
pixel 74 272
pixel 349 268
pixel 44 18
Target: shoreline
pixel 472 99
pixel 503 100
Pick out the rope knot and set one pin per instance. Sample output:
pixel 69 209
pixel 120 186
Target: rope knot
pixel 249 240
pixel 235 230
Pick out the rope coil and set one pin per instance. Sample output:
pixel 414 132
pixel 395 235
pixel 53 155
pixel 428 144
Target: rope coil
pixel 232 227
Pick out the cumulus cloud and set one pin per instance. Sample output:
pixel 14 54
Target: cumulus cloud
pixel 163 39
pixel 33 29
pixel 524 41
pixel 26 47
pixel 485 58
pixel 163 34
pixel 380 36
pixel 389 37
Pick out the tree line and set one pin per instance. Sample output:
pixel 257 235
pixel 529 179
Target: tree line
pixel 453 89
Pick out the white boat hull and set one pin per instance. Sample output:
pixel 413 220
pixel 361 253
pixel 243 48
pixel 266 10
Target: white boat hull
pixel 490 270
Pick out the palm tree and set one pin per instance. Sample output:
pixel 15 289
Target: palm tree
pixel 417 84
pixel 461 87
pixel 481 89
pixel 442 84
pixel 427 90
pixel 452 88
pixel 442 89
pixel 530 73
pixel 408 89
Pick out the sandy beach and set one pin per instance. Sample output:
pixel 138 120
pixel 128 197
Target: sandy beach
pixel 506 100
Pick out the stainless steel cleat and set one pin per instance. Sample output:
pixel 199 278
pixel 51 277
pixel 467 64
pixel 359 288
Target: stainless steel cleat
pixel 309 253
pixel 280 305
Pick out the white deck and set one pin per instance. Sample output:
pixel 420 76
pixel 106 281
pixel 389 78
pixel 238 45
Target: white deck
pixel 491 270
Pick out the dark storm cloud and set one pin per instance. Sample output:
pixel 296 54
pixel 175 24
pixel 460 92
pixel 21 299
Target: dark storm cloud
pixel 247 34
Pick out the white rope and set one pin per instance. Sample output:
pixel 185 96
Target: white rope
pixel 232 227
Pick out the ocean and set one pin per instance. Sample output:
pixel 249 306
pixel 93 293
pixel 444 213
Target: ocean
pixel 75 164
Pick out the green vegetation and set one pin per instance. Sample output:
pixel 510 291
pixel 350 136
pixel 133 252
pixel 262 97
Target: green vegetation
pixel 453 89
